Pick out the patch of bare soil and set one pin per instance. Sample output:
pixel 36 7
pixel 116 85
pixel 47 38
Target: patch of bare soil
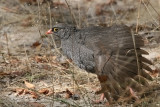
pixel 32 71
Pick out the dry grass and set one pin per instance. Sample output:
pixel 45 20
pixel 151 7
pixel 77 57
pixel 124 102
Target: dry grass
pixel 21 59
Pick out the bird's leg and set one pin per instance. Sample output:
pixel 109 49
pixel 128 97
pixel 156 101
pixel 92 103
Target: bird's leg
pixel 103 95
pixel 133 94
pixel 100 100
pixel 102 79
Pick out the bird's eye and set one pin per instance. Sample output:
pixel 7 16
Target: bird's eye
pixel 55 29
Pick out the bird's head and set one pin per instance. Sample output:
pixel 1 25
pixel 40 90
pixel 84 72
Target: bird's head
pixel 62 30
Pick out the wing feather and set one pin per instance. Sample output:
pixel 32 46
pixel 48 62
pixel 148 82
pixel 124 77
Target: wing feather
pixel 116 59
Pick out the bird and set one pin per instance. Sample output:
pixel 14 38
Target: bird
pixel 113 53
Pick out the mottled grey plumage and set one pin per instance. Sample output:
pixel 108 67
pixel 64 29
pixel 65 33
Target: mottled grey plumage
pixel 110 53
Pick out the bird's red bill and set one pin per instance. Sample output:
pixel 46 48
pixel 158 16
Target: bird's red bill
pixel 49 31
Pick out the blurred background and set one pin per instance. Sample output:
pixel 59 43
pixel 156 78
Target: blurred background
pixel 32 71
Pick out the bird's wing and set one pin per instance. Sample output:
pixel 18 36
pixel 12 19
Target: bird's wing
pixel 119 61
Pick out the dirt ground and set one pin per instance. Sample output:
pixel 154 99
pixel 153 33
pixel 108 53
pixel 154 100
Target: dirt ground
pixel 32 71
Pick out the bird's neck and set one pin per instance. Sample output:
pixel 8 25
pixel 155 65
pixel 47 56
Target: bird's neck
pixel 69 34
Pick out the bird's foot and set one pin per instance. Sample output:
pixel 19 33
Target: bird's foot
pixel 99 100
pixel 133 94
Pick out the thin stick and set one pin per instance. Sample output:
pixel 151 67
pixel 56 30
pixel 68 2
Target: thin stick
pixel 8 51
pixel 138 16
pixel 135 48
pixel 149 12
pixel 50 19
pixel 153 8
pixel 39 10
pixel 27 62
pixel 74 20
pixel 9 10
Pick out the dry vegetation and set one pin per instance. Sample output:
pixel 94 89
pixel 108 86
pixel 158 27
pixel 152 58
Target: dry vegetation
pixel 33 72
